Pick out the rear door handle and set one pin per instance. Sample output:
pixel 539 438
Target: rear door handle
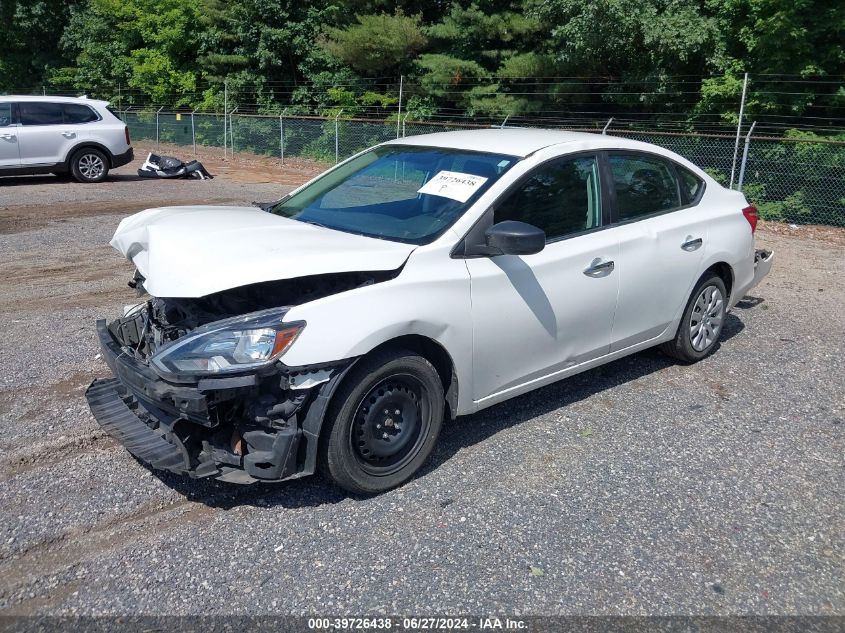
pixel 68 134
pixel 692 244
pixel 598 268
pixel 8 137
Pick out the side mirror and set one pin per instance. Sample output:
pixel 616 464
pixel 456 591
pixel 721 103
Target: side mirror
pixel 514 238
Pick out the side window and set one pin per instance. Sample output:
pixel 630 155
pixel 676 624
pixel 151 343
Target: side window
pixel 78 113
pixel 561 198
pixel 644 185
pixel 35 113
pixel 691 185
pixel 5 114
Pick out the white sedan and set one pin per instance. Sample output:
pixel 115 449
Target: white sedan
pixel 426 277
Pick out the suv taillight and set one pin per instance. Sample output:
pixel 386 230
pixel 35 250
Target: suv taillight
pixel 126 130
pixel 750 213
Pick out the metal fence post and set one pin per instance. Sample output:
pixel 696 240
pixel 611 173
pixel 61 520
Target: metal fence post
pixel 404 118
pixel 232 131
pixel 399 112
pixel 157 135
pixel 744 157
pixel 607 125
pixel 282 135
pixel 225 110
pixel 507 116
pixel 194 133
pixel 337 138
pixel 738 129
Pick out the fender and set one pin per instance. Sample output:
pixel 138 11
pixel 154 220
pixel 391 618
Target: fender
pixel 430 298
pixel 88 143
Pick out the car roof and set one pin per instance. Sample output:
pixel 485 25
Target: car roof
pixel 51 99
pixel 520 142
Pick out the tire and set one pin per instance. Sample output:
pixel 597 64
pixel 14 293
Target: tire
pixel 696 337
pixel 383 422
pixel 89 165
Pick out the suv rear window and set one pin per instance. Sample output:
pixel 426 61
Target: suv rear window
pixel 41 113
pixel 78 113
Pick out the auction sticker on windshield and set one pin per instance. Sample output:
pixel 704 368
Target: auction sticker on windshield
pixel 453 184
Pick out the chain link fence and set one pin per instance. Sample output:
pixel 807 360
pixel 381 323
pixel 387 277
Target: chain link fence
pixel 796 180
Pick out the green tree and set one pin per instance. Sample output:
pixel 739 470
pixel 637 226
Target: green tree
pixel 28 50
pixel 377 44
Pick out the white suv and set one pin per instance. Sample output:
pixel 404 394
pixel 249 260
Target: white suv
pixel 61 135
pixel 430 275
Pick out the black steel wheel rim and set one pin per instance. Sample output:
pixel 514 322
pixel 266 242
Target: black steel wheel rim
pixel 390 425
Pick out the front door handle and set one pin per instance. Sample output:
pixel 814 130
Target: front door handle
pixel 68 134
pixel 692 244
pixel 8 137
pixel 598 268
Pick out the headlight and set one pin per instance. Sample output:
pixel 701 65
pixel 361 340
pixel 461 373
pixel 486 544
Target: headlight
pixel 231 345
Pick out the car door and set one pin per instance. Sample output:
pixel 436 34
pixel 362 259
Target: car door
pixel 536 315
pixel 46 136
pixel 661 234
pixel 9 148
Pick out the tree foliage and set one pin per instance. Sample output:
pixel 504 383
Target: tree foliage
pixel 486 57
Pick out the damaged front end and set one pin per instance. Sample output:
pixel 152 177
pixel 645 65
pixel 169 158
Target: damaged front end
pixel 199 388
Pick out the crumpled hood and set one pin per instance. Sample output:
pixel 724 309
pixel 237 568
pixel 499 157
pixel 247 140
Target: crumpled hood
pixel 198 250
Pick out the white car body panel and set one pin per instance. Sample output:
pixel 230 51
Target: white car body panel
pixel 509 323
pixel 199 250
pixel 541 311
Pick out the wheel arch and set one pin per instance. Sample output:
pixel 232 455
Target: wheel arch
pixel 88 145
pixel 434 353
pixel 725 273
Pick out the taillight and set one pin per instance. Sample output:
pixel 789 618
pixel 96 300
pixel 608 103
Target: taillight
pixel 126 131
pixel 750 213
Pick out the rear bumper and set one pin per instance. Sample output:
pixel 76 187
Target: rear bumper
pixel 214 428
pixel 119 160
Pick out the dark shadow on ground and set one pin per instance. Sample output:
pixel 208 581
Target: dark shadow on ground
pixel 50 179
pixel 456 435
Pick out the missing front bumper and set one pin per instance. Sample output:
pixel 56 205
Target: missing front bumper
pixel 179 428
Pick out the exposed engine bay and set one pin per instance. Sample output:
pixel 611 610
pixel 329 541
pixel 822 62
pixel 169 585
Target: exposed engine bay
pixel 159 321
pixel 242 427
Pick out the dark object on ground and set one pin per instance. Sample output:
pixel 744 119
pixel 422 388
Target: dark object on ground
pixel 168 167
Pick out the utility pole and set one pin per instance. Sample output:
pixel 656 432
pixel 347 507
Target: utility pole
pixel 738 129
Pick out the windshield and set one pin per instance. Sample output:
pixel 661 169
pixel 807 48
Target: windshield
pixel 397 192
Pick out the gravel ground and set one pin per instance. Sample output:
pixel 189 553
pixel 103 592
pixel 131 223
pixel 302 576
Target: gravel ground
pixel 642 487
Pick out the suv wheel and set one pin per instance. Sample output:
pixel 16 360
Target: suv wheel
pixel 383 423
pixel 702 323
pixel 89 165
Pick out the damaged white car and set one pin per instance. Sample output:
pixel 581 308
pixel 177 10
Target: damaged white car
pixel 426 277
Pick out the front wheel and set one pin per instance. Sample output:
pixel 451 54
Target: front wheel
pixel 383 423
pixel 702 323
pixel 89 165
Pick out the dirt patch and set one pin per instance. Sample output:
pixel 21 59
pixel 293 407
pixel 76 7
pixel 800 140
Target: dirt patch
pixel 816 232
pixel 19 219
pixel 244 166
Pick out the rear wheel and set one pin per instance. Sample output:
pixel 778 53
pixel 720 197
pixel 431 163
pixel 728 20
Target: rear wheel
pixel 89 165
pixel 384 422
pixel 702 323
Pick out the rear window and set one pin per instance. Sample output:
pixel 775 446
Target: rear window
pixel 691 185
pixel 78 113
pixel 35 113
pixel 42 113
